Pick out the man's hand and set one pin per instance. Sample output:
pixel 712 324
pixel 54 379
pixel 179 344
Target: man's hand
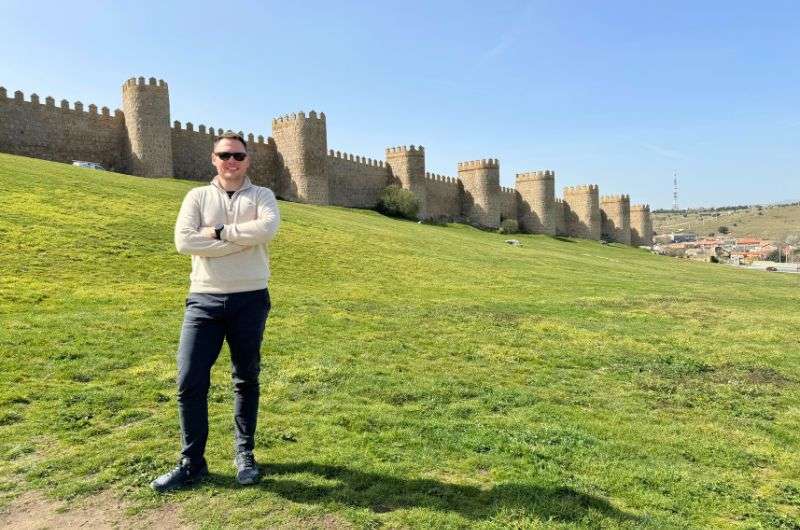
pixel 208 231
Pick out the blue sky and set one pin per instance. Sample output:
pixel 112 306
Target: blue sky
pixel 618 93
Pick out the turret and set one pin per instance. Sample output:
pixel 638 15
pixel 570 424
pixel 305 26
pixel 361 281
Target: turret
pixel 302 144
pixel 616 214
pixel 536 211
pixel 583 215
pixel 407 165
pixel 560 213
pixel 641 225
pixel 481 201
pixel 146 108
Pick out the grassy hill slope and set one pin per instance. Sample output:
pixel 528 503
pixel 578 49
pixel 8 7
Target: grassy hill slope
pixel 413 375
pixel 771 222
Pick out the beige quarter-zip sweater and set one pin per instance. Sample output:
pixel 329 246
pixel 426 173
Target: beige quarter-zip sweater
pixel 239 260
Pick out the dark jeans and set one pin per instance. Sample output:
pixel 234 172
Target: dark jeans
pixel 238 318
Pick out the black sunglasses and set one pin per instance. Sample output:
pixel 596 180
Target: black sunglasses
pixel 236 156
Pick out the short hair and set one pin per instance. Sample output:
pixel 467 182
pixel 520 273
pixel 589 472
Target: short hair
pixel 230 135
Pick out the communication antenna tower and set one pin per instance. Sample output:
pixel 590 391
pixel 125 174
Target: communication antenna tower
pixel 675 190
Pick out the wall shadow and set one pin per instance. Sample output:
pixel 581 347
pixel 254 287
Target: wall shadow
pixel 385 493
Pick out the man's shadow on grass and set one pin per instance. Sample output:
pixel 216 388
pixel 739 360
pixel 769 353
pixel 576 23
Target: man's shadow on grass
pixel 385 493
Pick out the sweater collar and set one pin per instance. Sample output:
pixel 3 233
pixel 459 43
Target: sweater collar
pixel 245 184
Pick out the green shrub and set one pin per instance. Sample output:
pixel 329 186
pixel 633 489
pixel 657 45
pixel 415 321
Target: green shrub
pixel 438 220
pixel 397 202
pixel 509 226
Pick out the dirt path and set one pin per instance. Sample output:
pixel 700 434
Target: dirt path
pixel 33 511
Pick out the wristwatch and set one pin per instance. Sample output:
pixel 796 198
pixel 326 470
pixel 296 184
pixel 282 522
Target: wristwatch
pixel 217 230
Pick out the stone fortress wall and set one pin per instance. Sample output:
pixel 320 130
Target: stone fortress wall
pixel 443 196
pixel 480 203
pixel 582 211
pixel 296 163
pixel 615 211
pixel 641 225
pixel 536 208
pixel 40 129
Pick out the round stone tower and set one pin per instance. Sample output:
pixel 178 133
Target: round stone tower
pixel 146 108
pixel 641 225
pixel 616 214
pixel 537 193
pixel 481 200
pixel 407 165
pixel 302 144
pixel 560 211
pixel 584 211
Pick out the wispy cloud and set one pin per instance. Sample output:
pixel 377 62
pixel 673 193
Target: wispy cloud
pixel 510 37
pixel 505 43
pixel 665 152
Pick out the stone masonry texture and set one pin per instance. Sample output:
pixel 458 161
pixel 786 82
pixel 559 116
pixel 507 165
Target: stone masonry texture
pixel 616 214
pixel 146 105
pixel 407 164
pixel 481 182
pixel 302 144
pixel 297 165
pixel 583 218
pixel 641 225
pixel 536 209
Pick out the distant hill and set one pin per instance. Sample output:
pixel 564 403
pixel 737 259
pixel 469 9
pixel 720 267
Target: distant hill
pixel 767 222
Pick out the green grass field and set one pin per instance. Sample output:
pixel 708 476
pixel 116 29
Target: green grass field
pixel 413 375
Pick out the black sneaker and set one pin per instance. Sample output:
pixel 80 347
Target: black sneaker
pixel 184 474
pixel 246 468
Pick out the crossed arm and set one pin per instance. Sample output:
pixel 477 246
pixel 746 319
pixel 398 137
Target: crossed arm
pixel 194 239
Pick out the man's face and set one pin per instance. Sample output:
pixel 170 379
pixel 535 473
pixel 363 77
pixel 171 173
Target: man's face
pixel 230 168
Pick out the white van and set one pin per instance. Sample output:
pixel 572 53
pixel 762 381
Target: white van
pixel 88 165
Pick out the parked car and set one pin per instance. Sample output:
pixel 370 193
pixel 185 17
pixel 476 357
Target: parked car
pixel 88 165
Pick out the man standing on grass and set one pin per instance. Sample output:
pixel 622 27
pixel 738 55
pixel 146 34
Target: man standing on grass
pixel 225 227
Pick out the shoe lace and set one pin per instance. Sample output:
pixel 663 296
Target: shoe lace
pixel 246 459
pixel 182 467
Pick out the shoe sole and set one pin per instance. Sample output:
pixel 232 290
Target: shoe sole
pixel 247 482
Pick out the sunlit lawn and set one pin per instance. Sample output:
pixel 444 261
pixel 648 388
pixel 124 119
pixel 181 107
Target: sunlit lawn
pixel 413 375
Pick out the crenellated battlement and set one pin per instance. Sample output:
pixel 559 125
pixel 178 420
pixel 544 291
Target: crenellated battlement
pixel 640 207
pixel 581 189
pixel 486 163
pixel 211 131
pixel 355 158
pixel 189 127
pixel 141 82
pixel 435 177
pixel 409 150
pixel 64 105
pixel 615 198
pixel 507 190
pixel 296 117
pixel 537 175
